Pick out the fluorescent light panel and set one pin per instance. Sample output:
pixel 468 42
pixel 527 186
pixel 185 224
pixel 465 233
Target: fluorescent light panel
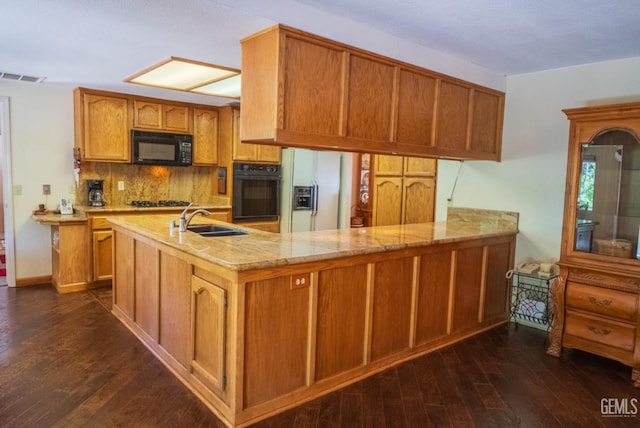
pixel 193 76
pixel 229 87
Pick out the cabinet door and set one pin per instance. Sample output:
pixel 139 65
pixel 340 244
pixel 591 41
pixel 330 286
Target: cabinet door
pixel 433 297
pixel 147 114
pixel 416 104
pixel 106 128
pixel 271 154
pixel 419 167
pixel 388 165
pixel 123 291
pixel 102 254
pixel 175 118
pixel 486 123
pixel 175 307
pixel 250 152
pixel 499 261
pixel 452 116
pixel 240 151
pixel 369 104
pixel 418 195
pixel 313 87
pixel 276 332
pixel 208 331
pixel 205 136
pixel 387 201
pixel 466 295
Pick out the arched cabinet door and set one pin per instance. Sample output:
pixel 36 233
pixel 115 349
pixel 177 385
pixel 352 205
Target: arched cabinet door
pixel 387 201
pixel 208 327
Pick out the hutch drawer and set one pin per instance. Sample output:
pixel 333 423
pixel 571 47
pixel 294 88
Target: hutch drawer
pixel 612 303
pixel 610 333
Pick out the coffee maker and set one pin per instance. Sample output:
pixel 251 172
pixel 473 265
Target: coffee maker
pixel 95 193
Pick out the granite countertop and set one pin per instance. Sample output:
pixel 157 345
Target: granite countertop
pixel 50 217
pixel 81 211
pixel 258 249
pixel 130 208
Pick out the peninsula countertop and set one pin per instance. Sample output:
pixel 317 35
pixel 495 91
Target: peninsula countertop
pixel 259 249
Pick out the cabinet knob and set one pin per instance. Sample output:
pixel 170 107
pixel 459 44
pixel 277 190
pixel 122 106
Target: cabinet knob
pixel 200 290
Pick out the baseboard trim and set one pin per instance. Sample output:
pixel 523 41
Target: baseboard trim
pixel 34 280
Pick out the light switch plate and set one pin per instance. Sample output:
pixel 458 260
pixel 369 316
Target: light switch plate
pixel 120 185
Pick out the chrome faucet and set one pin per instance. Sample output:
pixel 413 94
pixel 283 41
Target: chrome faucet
pixel 186 219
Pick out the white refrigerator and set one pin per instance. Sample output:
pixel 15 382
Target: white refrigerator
pixel 328 175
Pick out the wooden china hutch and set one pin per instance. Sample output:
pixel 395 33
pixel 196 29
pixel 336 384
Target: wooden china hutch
pixel 596 297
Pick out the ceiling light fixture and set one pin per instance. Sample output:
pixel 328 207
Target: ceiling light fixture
pixel 192 76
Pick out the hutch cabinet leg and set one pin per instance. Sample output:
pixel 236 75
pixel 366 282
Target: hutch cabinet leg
pixel 635 377
pixel 555 335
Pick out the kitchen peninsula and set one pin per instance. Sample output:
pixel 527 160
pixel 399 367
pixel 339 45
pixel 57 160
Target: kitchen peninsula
pixel 258 323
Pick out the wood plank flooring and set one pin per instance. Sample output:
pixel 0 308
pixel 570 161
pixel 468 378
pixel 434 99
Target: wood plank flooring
pixel 65 361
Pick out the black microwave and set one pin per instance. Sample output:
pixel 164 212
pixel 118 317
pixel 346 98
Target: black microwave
pixel 161 148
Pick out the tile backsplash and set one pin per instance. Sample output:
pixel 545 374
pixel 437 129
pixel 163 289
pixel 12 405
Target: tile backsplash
pixel 153 183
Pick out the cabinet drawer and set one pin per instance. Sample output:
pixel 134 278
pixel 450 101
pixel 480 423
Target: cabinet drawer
pixel 617 304
pixel 617 335
pixel 100 223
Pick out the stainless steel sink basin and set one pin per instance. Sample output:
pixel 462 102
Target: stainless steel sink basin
pixel 211 230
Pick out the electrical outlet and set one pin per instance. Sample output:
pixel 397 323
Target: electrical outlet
pixel 46 189
pixel 120 185
pixel 301 280
pixel 17 189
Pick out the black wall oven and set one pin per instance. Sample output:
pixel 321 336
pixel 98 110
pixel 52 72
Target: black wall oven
pixel 256 192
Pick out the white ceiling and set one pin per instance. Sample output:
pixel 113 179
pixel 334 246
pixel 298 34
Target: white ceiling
pixel 97 43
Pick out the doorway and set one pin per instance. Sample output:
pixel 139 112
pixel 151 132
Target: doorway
pixel 7 199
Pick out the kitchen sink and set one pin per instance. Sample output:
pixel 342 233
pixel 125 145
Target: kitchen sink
pixel 211 230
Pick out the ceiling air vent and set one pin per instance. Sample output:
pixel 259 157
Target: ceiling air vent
pixel 20 77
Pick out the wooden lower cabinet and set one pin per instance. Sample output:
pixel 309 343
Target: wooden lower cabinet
pixel 596 311
pixel 69 256
pixel 254 343
pixel 102 255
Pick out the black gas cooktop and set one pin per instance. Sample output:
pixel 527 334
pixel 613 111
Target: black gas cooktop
pixel 161 203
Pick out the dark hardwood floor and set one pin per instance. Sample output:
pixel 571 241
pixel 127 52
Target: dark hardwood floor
pixel 65 361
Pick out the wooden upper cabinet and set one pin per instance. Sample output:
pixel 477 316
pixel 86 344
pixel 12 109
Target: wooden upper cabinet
pixel 205 136
pixel 302 90
pixel 250 152
pixel 388 165
pixel 102 126
pixel 161 116
pixel 420 167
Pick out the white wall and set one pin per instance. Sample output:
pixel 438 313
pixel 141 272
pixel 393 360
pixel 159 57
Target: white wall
pixel 41 144
pixel 531 177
